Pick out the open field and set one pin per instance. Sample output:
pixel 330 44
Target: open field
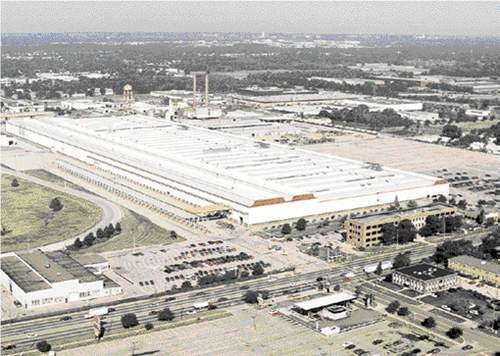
pixel 134 225
pixel 407 154
pixel 31 223
pixel 50 177
pixel 483 124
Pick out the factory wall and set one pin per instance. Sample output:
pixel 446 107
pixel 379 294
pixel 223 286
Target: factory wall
pixel 297 209
pixel 244 214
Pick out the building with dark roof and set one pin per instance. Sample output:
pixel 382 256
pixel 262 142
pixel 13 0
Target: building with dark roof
pixel 39 279
pixel 425 278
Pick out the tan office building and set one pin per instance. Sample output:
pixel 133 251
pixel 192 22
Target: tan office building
pixel 366 231
pixel 487 271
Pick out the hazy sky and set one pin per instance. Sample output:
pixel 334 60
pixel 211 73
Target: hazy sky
pixel 404 17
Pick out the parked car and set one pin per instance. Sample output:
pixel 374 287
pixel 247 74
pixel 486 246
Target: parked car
pixel 445 307
pixel 467 347
pixel 9 347
pixel 66 318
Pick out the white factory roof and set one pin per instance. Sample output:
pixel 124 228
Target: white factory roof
pixel 321 96
pixel 235 168
pixel 325 301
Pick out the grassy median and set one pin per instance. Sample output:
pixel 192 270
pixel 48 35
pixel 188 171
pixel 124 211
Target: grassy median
pixel 28 221
pixel 133 225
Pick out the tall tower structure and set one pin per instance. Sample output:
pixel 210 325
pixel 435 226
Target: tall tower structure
pixel 128 97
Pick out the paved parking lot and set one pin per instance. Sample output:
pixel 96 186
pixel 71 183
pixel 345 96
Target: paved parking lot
pixel 156 269
pixel 257 332
pixel 463 302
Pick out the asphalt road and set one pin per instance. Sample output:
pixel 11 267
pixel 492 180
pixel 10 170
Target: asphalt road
pixel 111 213
pixel 58 332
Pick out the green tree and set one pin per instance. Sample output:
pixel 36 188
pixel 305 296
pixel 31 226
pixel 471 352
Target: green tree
pixel 129 320
pixel 406 232
pixel 412 204
pixel 78 243
pixel 429 322
pixel 257 270
pixel 166 315
pixel 454 333
pixel 56 205
pixel 393 307
pixel 462 204
pixel 401 260
pixel 148 326
pixel 403 311
pixel 449 249
pixel 389 231
pixel 14 183
pixel 301 224
pixel 186 285
pixel 43 346
pixel 286 229
pixel 379 270
pixel 250 297
pixel 481 217
pixel 173 234
pixel 451 131
pixel 118 228
pixel 100 233
pixel 89 239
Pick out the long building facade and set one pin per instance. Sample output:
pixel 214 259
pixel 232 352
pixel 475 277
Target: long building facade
pixel 366 231
pixel 260 182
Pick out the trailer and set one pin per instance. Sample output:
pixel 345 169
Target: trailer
pixel 209 304
pixel 371 268
pixel 97 312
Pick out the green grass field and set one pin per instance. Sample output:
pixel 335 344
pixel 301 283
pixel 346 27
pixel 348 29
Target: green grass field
pixel 146 233
pixel 483 124
pixel 50 177
pixel 29 222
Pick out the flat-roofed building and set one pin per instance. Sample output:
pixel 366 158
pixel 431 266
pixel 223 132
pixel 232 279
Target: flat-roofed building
pixel 38 279
pixel 269 101
pixel 260 182
pixel 425 278
pixel 317 304
pixel 94 262
pixel 366 231
pixel 488 271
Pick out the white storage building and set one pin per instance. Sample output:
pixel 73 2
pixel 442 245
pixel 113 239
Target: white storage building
pixel 38 279
pixel 260 182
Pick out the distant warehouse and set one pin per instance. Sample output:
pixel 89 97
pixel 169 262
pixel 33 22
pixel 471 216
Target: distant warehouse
pixel 259 182
pixel 38 279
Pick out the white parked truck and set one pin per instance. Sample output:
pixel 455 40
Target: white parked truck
pixel 97 312
pixel 373 267
pixel 209 304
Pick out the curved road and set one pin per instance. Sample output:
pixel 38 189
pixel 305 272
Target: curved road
pixel 111 213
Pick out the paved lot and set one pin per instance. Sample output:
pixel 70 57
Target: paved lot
pixel 407 154
pixel 256 332
pixel 167 266
pixel 466 303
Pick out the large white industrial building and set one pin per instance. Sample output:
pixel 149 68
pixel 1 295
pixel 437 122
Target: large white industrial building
pixel 38 279
pixel 259 182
